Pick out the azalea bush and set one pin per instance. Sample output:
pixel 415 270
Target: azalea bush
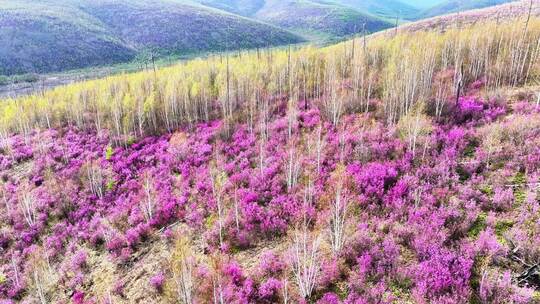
pixel 253 217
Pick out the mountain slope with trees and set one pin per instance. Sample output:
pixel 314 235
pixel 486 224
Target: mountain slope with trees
pixel 59 35
pixel 105 32
pixel 400 168
pixel 397 168
pixel 43 37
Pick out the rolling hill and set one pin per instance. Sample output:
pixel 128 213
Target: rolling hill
pixel 502 12
pixel 381 8
pixel 386 9
pixel 423 4
pixel 453 6
pixel 58 35
pixel 54 35
pixel 317 18
pixel 336 10
pixel 313 19
pixel 173 26
pixel 42 37
pixel 240 7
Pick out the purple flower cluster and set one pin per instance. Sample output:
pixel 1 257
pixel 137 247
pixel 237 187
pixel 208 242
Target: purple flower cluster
pixel 441 226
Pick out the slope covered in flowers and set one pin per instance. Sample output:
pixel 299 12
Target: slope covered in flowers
pixel 294 209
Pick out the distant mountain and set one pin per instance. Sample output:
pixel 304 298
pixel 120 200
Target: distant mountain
pixel 318 18
pixel 376 8
pixel 388 9
pixel 502 12
pixel 245 8
pixel 37 37
pixel 173 26
pixel 453 6
pixel 423 4
pixel 56 35
pixel 314 19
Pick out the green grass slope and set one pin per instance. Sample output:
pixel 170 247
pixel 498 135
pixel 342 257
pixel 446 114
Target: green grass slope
pixel 56 35
pixel 318 18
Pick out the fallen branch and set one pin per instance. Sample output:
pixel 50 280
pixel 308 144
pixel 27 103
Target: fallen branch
pixel 531 275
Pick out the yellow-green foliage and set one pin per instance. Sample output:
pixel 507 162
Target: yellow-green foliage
pixel 181 287
pixel 109 152
pixel 413 127
pixel 398 69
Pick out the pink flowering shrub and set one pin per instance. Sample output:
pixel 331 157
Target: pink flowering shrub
pixel 503 199
pixel 450 224
pixel 443 275
pixel 269 290
pixel 499 289
pixel 157 281
pixel 373 179
pixel 329 298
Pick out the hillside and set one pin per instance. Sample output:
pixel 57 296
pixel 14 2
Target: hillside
pixel 386 9
pixel 245 8
pixel 397 169
pixel 500 13
pixel 316 18
pixel 58 35
pixel 423 4
pixel 175 27
pixel 46 37
pixel 91 33
pixel 454 6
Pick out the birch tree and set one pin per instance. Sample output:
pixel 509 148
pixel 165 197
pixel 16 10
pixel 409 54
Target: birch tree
pixel 413 127
pixel 219 180
pixel 306 259
pixel 339 212
pixel 182 263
